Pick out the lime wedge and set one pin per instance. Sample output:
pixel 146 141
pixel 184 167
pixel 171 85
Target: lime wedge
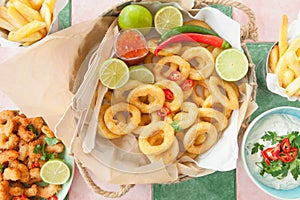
pixel 167 18
pixel 231 65
pixel 141 73
pixel 113 73
pixel 55 172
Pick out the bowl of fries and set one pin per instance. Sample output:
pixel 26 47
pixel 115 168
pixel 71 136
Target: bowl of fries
pixel 283 63
pixel 24 22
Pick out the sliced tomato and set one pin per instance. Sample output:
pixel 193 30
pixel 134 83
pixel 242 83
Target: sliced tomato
pixel 285 145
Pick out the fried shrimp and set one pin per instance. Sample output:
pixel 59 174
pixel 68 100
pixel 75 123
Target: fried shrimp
pixel 200 138
pixel 121 128
pixel 175 62
pixel 224 92
pixel 156 138
pixel 213 116
pixel 154 98
pixel 174 104
pixel 205 60
pixel 187 116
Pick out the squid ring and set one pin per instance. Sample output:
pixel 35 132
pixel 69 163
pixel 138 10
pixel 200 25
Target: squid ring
pixel 206 63
pixel 119 127
pixel 217 118
pixel 6 122
pixel 121 93
pixel 187 116
pixel 198 92
pixel 171 49
pixel 154 95
pixel 229 99
pixel 163 135
pixel 177 92
pixel 210 102
pixel 183 65
pixel 169 155
pixel 200 138
pixel 102 128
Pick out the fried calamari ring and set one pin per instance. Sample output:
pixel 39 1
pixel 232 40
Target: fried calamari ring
pixel 293 87
pixel 163 135
pixel 200 138
pixel 154 98
pixel 224 92
pixel 170 50
pixel 211 102
pixel 146 120
pixel 102 128
pixel 204 59
pixel 198 93
pixel 177 93
pixel 121 128
pixel 174 61
pixel 213 116
pixel 120 94
pixel 169 155
pixel 187 116
pixel 6 122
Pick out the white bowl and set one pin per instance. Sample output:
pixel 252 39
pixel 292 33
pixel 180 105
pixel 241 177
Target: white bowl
pixel 281 120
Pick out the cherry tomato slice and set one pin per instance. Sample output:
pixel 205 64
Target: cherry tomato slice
pixel 168 94
pixel 175 76
pixel 187 85
pixel 164 111
pixel 285 145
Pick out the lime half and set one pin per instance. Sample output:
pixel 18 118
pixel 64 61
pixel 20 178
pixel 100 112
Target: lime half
pixel 55 172
pixel 113 73
pixel 231 64
pixel 167 18
pixel 141 73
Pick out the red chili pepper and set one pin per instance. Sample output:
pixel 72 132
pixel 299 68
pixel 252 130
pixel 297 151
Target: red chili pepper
pixel 285 157
pixel 164 111
pixel 285 145
pixel 53 198
pixel 187 85
pixel 263 153
pixel 293 153
pixel 35 164
pixel 175 76
pixel 23 197
pixel 168 94
pixel 272 153
pixel 194 37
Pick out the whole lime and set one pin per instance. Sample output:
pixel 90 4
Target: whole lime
pixel 135 16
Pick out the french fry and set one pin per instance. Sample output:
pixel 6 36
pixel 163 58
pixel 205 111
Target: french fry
pixel 293 87
pixel 31 38
pixel 51 4
pixel 292 61
pixel 12 11
pixel 288 77
pixel 298 52
pixel 26 30
pixel 36 4
pixel 273 58
pixel 46 15
pixel 6 25
pixel 283 35
pixel 4 15
pixel 29 13
pixel 11 2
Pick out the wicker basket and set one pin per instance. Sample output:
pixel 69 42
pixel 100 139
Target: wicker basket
pixel 248 32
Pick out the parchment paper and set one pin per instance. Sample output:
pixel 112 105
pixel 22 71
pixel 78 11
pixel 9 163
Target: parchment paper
pixel 41 82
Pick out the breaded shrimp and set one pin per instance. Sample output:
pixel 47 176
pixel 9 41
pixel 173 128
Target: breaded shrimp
pixel 48 191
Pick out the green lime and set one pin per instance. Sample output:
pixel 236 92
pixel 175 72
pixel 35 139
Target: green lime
pixel 55 172
pixel 141 73
pixel 135 16
pixel 167 18
pixel 231 64
pixel 113 73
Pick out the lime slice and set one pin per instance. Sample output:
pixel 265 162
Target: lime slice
pixel 141 73
pixel 113 73
pixel 167 18
pixel 55 172
pixel 231 65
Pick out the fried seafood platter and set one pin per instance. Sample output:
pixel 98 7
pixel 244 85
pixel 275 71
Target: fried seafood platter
pixel 27 145
pixel 164 89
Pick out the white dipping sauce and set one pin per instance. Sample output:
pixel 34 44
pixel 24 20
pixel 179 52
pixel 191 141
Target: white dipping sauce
pixel 281 124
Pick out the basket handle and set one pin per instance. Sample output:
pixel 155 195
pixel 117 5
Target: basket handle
pixel 89 181
pixel 249 30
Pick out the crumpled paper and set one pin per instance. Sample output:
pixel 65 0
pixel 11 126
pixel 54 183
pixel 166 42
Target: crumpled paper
pixel 271 78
